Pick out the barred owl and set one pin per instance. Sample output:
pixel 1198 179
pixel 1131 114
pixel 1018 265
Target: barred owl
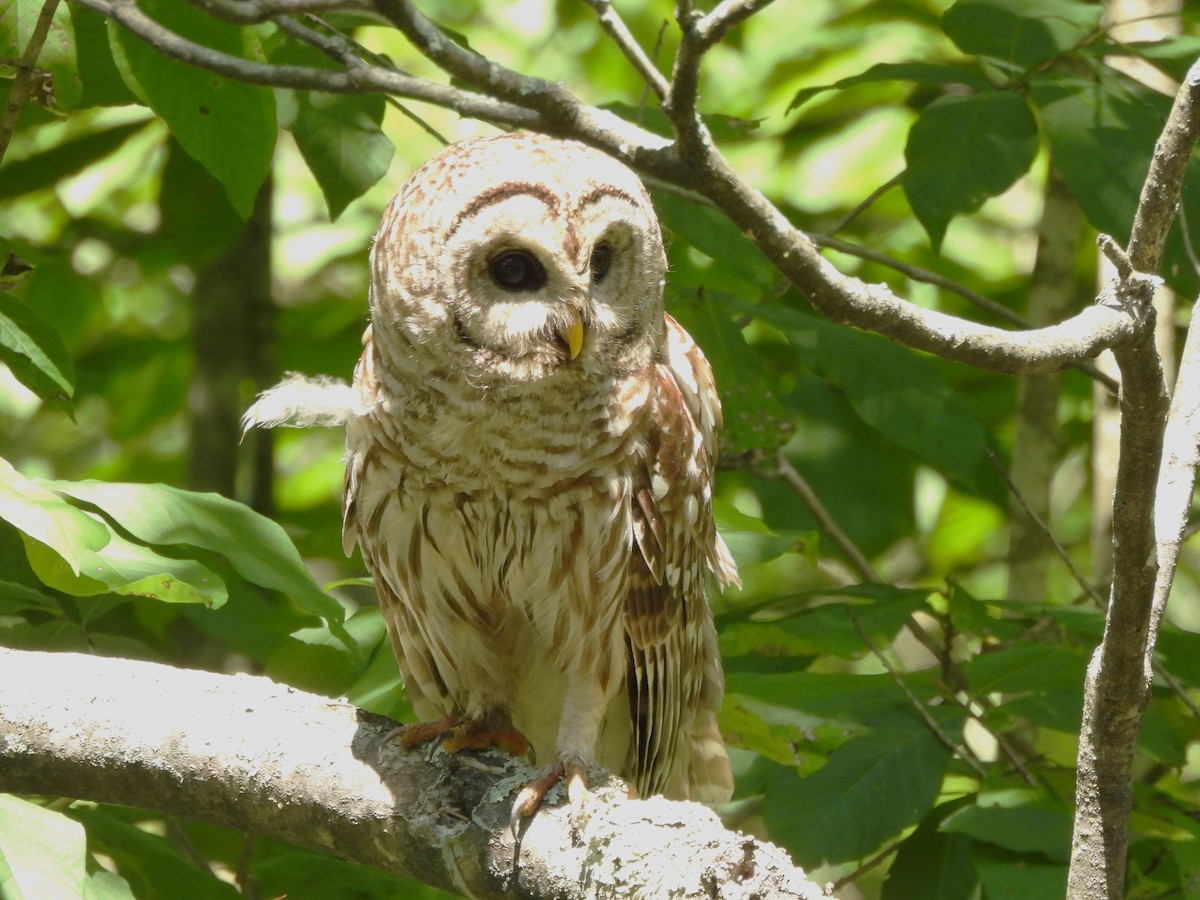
pixel 529 475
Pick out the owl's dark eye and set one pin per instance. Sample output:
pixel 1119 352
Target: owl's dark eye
pixel 517 270
pixel 600 261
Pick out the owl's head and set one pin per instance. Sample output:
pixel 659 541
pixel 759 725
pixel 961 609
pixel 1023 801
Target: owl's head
pixel 520 257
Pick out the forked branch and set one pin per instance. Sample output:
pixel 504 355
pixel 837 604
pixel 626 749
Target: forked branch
pixel 691 161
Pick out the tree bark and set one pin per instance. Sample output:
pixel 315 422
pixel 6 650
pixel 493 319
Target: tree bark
pixel 251 754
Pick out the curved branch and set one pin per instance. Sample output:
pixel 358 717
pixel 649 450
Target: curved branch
pixel 508 98
pixel 356 81
pixel 251 754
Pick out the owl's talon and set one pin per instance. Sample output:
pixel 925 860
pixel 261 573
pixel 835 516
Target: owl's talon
pixel 455 733
pixel 531 794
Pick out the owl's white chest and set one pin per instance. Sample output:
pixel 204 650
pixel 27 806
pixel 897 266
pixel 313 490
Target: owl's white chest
pixel 505 536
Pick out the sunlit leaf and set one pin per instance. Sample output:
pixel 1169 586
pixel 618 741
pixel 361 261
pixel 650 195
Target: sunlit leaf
pixel 207 113
pixel 44 517
pixel 42 853
pixel 56 57
pixel 34 352
pixel 131 569
pixel 161 515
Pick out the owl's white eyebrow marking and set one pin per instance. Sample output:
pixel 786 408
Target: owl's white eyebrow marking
pixel 501 192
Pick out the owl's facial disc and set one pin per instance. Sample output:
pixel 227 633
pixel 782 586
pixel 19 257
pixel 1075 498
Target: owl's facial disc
pixel 549 280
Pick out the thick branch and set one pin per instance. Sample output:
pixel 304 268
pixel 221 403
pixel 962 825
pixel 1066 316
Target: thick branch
pixel 261 757
pixel 1118 681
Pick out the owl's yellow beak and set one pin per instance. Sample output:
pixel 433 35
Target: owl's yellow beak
pixel 573 334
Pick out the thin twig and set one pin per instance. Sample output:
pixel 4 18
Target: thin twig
pixel 865 203
pixel 23 82
pixel 1037 520
pixel 829 527
pixel 251 12
pixel 825 521
pixel 726 15
pixel 338 45
pixel 961 749
pixel 614 26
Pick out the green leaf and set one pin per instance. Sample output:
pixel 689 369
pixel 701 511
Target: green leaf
pixel 57 55
pixel 258 548
pixel 963 150
pixel 339 135
pixel 34 352
pixel 340 138
pixel 1024 828
pixel 1021 33
pixel 821 621
pixel 155 868
pixel 872 788
pixel 42 853
pixel 105 885
pixel 924 73
pixel 227 126
pixel 43 516
pixel 298 874
pixel 894 390
pixel 751 541
pixel 1013 876
pixel 807 697
pixel 932 865
pixel 102 83
pixel 129 569
pixel 1102 133
pixel 1018 668
pixel 755 419
pixel 715 236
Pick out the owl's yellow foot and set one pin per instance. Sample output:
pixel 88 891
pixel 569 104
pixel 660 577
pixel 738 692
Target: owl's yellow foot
pixel 463 732
pixel 530 797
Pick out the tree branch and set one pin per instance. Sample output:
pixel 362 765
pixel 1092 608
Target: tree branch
pixel 26 77
pixel 614 26
pixel 1118 680
pixel 513 100
pixel 254 755
pixel 355 81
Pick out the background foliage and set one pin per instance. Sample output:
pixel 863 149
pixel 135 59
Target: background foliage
pixel 173 241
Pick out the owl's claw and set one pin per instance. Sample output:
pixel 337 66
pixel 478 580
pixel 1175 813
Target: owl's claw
pixel 457 733
pixel 530 796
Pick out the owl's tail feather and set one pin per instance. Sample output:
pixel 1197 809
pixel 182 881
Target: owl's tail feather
pixel 300 400
pixel 710 780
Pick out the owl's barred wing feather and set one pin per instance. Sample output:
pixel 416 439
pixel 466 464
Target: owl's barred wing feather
pixel 675 683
